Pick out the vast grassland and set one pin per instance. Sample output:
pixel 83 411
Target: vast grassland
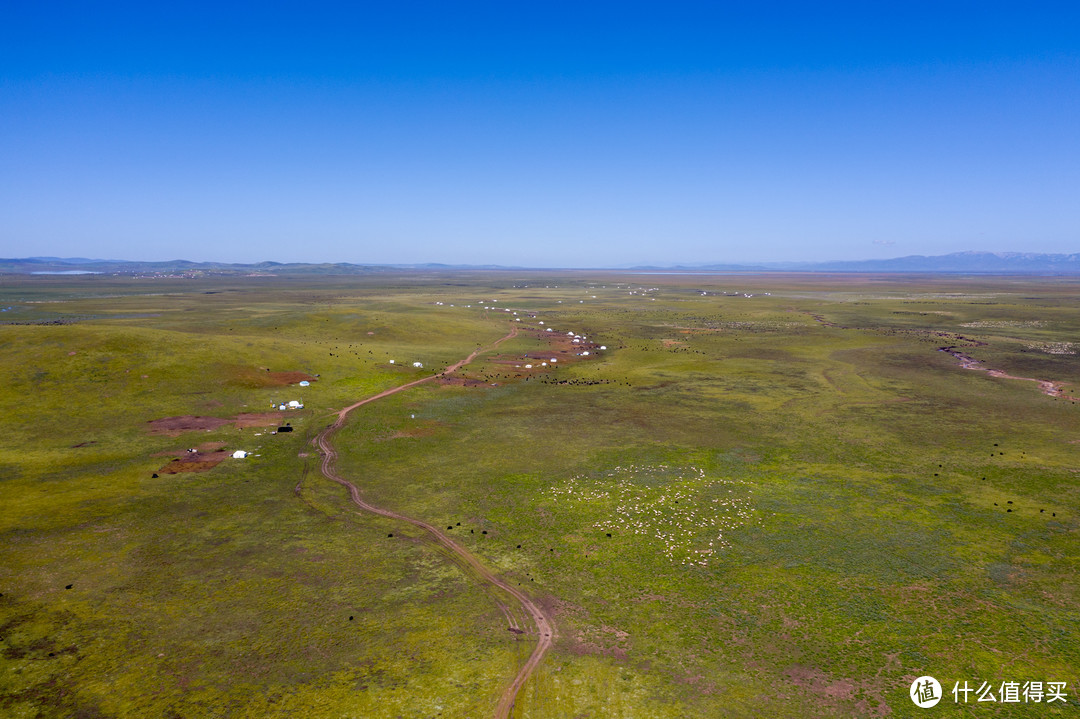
pixel 769 496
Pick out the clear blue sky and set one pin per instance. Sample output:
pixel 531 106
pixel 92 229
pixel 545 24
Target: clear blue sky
pixel 540 133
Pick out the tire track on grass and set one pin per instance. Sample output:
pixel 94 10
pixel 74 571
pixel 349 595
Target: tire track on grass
pixel 491 584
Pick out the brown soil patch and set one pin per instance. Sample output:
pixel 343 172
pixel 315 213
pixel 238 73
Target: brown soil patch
pixel 178 467
pixel 817 682
pixel 194 462
pixel 865 698
pixel 606 641
pixel 261 419
pixel 174 426
pixel 262 377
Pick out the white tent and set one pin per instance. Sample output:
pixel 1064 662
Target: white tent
pixel 239 454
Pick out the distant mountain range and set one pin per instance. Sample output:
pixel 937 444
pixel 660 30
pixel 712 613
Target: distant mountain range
pixel 82 265
pixel 957 262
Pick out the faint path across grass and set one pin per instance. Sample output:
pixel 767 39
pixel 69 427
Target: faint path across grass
pixel 494 586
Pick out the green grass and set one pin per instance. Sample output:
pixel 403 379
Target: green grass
pixel 854 483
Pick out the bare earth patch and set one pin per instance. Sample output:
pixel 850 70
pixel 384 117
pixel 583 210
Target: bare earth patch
pixel 175 426
pixel 834 693
pixel 263 377
pixel 260 419
pixel 195 462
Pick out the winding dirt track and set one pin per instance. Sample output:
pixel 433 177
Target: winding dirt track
pixel 493 585
pixel 1048 387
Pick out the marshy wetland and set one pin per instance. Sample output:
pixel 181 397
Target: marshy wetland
pixel 730 495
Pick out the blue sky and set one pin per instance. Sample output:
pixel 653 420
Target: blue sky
pixel 539 134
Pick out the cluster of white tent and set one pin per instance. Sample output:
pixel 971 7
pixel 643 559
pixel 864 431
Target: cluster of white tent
pixel 576 338
pixel 418 365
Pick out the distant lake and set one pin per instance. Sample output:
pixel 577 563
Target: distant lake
pixel 65 272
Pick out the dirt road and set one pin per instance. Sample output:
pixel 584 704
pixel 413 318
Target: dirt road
pixel 495 587
pixel 1053 389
